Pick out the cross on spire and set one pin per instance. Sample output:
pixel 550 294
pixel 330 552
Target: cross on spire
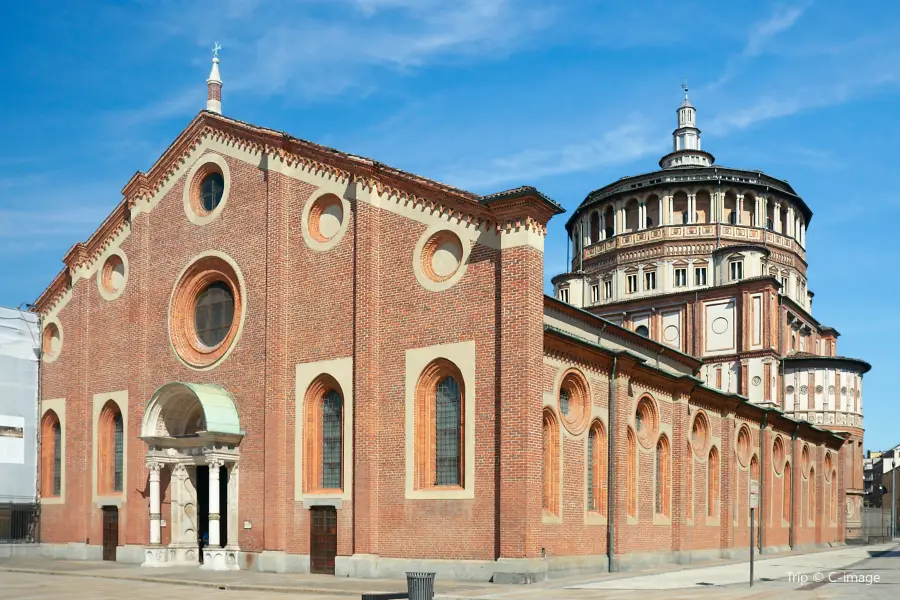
pixel 684 86
pixel 216 48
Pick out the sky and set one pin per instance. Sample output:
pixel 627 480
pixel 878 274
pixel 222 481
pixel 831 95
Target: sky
pixel 486 95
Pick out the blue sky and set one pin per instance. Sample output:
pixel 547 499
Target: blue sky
pixel 483 94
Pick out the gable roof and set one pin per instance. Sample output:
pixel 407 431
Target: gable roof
pixel 522 207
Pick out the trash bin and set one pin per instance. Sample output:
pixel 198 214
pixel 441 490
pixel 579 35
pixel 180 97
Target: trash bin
pixel 420 586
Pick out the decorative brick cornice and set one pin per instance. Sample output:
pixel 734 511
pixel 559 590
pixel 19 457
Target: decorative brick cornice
pixel 54 292
pixel 512 210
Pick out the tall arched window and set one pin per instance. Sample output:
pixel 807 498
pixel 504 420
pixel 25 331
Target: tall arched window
pixel 596 469
pixel 111 455
pixel 51 456
pixel 812 494
pixel 712 493
pixel 631 474
pixel 834 496
pixel 323 433
pixel 595 228
pixel 550 435
pixel 788 490
pixel 689 483
pixel 439 426
pixel 663 476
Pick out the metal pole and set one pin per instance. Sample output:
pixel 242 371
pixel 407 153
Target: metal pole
pixel 752 542
pixel 893 499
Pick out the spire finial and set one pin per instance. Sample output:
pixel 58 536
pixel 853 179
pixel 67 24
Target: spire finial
pixel 214 84
pixel 684 86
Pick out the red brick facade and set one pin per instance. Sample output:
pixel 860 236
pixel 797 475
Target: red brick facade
pixel 361 299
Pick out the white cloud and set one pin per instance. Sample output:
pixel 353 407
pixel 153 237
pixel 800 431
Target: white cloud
pixel 321 48
pixel 621 145
pixel 759 36
pixel 781 20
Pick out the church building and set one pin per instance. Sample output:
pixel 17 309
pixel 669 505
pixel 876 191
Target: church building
pixel 278 356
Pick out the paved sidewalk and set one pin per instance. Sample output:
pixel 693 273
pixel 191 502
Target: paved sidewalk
pixel 775 576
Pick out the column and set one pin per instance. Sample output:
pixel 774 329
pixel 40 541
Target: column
pixel 692 208
pixel 762 211
pixel 740 210
pixel 214 464
pixel 776 222
pixel 642 215
pixel 155 503
pixel 789 226
pixel 602 226
pixel 660 213
pixel 670 199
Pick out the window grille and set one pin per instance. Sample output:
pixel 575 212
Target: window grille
pixel 591 480
pixel 57 459
pixel 332 417
pixel 211 190
pixel 564 402
pixel 447 433
pixel 118 443
pixel 214 313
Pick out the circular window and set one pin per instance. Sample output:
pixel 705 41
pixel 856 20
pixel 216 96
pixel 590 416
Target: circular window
pixel 574 402
pixel 51 341
pixel 206 190
pixel 646 422
pixel 113 275
pixel 743 445
pixel 818 389
pixel 700 434
pixel 789 389
pixel 212 187
pixel 831 390
pixel 214 313
pixel 325 218
pixel 206 311
pixel 844 390
pixel 757 380
pixel 803 389
pixel 778 455
pixel 442 256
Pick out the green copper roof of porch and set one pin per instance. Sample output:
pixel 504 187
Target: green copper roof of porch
pixel 218 406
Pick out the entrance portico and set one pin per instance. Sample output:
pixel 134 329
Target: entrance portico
pixel 193 430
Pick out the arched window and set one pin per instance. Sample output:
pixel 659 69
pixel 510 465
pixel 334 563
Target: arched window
pixel 609 218
pixel 595 228
pixel 111 442
pixel 712 478
pixel 51 456
pixel 812 494
pixel 439 426
pixel 788 490
pixel 323 433
pixel 631 475
pixel 642 330
pixel 596 469
pixel 689 483
pixel 663 476
pixel 834 496
pixel 550 435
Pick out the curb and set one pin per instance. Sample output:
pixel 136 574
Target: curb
pixel 187 582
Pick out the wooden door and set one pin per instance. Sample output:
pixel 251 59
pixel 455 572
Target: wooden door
pixel 322 539
pixel 110 532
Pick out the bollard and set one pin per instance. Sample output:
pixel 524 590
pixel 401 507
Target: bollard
pixel 420 586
